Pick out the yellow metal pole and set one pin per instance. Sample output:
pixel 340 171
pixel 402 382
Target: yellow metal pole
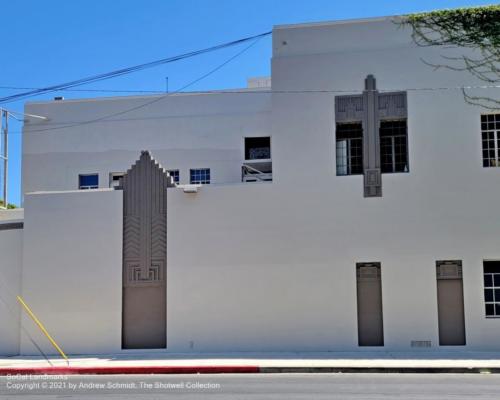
pixel 42 328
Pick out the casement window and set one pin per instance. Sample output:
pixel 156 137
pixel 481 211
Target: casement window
pixel 174 173
pixel 199 176
pixel 492 288
pixel 393 146
pixel 88 181
pixel 349 148
pixel 490 135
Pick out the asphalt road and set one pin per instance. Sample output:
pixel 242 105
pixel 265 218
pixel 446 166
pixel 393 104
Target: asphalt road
pixel 261 386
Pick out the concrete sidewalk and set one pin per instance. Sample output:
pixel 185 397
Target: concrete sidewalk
pixel 133 362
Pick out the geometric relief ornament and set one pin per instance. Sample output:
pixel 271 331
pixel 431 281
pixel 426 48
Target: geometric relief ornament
pixel 144 254
pixel 369 108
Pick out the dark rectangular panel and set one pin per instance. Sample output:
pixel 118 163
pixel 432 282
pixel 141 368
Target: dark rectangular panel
pixel 369 299
pixel 451 319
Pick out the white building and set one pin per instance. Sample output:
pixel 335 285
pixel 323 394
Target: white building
pixel 373 223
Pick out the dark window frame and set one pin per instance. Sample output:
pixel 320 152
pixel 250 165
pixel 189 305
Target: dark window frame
pixel 490 140
pixel 394 137
pixel 349 148
pixel 200 176
pixel 491 288
pixel 88 186
pixel 175 174
pixel 261 146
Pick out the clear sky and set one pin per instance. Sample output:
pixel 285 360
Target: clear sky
pixel 47 42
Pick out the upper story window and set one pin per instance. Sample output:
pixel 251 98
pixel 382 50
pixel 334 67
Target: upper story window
pixel 174 173
pixel 349 148
pixel 88 181
pixel 116 180
pixel 199 176
pixel 393 146
pixel 490 132
pixel 257 166
pixel 492 288
pixel 258 148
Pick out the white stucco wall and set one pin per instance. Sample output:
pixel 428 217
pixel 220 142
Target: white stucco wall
pixel 278 272
pixel 271 266
pixel 72 269
pixel 181 132
pixel 11 242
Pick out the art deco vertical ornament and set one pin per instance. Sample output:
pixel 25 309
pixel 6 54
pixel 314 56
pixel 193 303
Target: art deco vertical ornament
pixel 369 108
pixel 145 254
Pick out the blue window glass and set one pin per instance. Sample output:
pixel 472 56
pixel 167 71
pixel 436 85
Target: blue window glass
pixel 89 181
pixel 199 176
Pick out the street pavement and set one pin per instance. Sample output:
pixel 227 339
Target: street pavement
pixel 255 386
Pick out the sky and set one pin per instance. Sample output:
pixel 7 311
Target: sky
pixel 53 41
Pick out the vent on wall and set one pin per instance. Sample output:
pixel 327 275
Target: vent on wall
pixel 421 343
pixel 449 269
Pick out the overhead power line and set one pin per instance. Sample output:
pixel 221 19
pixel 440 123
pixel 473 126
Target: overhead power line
pixel 157 99
pixel 128 70
pixel 249 92
pixel 86 90
pixel 261 90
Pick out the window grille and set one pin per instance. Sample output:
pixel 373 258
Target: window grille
pixel 174 173
pixel 200 176
pixel 492 288
pixel 490 135
pixel 88 181
pixel 258 148
pixel 349 149
pixel 393 146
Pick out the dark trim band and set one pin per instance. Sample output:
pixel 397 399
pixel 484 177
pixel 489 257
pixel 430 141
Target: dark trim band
pixel 11 225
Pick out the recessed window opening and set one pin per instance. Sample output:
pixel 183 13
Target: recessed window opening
pixel 349 148
pixel 200 176
pixel 492 288
pixel 393 146
pixel 174 173
pixel 116 180
pixel 88 181
pixel 490 135
pixel 258 148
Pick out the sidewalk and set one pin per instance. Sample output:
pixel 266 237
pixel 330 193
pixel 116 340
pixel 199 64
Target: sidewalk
pixel 348 362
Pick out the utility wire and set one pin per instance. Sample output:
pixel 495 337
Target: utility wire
pixel 157 99
pixel 259 91
pixel 85 90
pixel 128 70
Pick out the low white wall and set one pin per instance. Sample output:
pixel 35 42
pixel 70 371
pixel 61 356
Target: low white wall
pixel 11 242
pixel 72 272
pixel 272 267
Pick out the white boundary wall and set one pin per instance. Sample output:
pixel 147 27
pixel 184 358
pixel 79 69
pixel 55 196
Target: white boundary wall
pixel 11 244
pixel 72 270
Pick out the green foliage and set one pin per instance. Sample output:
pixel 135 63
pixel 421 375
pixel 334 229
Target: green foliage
pixel 9 206
pixel 476 28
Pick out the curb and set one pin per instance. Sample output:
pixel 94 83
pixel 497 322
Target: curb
pixel 130 370
pixel 237 369
pixel 381 370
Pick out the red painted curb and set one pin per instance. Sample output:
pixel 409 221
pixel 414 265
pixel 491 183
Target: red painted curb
pixel 122 370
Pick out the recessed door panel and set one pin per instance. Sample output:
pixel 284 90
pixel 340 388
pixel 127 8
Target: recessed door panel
pixel 450 296
pixel 369 296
